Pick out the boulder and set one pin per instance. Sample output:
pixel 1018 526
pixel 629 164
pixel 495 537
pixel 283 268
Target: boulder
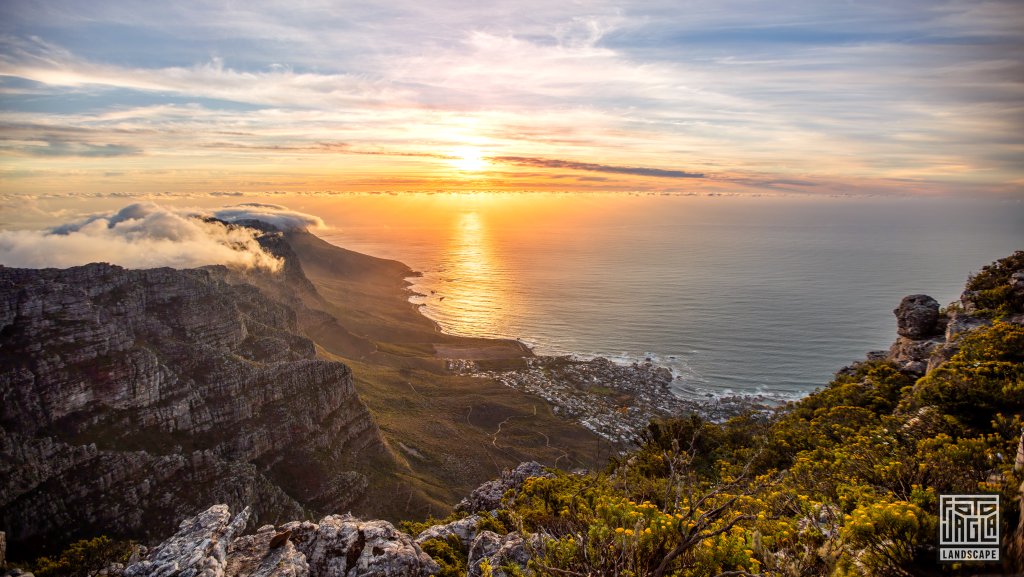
pixel 913 355
pixel 917 316
pixel 499 550
pixel 268 553
pixel 465 529
pixel 344 546
pixel 487 497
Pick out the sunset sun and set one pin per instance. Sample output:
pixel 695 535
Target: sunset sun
pixel 469 159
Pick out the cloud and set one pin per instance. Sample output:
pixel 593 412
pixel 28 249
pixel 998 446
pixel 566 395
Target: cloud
pixel 276 215
pixel 58 147
pixel 833 90
pixel 143 235
pixel 555 163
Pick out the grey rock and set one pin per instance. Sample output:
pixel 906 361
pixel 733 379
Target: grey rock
pixel 198 549
pixel 465 529
pixel 1017 282
pixel 484 546
pixel 207 545
pixel 511 549
pixel 913 355
pixel 256 556
pixel 917 316
pixel 344 546
pixel 487 496
pixel 960 323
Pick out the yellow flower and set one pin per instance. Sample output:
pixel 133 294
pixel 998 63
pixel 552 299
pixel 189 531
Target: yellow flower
pixel 619 529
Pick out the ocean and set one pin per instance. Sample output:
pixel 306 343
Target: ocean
pixel 736 295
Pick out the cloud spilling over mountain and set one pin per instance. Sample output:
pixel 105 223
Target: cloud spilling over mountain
pixel 146 235
pixel 276 215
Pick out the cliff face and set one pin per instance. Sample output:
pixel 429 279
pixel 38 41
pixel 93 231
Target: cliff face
pixel 129 398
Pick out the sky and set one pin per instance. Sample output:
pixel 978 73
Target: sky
pixel 147 99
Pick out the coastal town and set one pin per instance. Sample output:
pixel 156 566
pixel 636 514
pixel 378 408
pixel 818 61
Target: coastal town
pixel 615 401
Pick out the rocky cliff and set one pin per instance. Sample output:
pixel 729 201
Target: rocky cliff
pixel 129 398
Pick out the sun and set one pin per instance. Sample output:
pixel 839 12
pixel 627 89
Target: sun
pixel 468 159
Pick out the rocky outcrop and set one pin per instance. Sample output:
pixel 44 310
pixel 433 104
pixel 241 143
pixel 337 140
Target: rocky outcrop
pixel 129 398
pixel 920 333
pixel 487 496
pixel 337 546
pixel 210 544
pixel 913 355
pixel 198 548
pixel 465 530
pixel 502 550
pixel 917 316
pixel 927 338
pixel 344 545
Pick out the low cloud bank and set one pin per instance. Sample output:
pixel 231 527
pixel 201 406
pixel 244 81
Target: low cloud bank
pixel 276 215
pixel 147 235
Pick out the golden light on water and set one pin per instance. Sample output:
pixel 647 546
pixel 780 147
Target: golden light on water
pixel 474 279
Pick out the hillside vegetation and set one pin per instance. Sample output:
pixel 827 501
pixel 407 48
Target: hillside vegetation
pixel 844 482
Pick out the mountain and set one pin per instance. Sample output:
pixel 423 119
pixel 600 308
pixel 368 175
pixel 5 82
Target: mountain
pixel 843 482
pixel 131 398
pixel 133 395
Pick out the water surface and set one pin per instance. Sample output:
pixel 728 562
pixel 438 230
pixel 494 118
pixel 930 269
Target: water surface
pixel 735 295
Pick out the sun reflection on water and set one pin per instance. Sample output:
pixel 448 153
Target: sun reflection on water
pixel 474 300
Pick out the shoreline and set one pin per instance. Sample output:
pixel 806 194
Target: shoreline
pixel 613 399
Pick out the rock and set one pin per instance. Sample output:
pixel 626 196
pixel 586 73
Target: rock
pixel 487 496
pixel 484 546
pixel 256 556
pixel 465 529
pixel 3 549
pixel 338 546
pixel 108 373
pixel 344 546
pixel 913 355
pixel 1017 282
pixel 960 323
pixel 502 550
pixel 198 548
pixel 917 316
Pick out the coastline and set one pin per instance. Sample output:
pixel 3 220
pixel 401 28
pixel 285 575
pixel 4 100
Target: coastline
pixel 611 399
pixel 447 431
